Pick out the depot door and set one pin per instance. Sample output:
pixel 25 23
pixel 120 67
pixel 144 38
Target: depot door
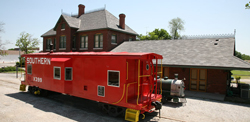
pixel 198 79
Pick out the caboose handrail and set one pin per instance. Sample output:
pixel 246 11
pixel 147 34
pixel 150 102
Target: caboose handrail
pixel 122 94
pixel 144 76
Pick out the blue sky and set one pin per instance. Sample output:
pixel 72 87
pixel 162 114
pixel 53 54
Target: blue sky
pixel 201 17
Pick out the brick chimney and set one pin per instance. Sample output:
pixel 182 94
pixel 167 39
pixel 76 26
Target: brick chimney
pixel 122 21
pixel 80 10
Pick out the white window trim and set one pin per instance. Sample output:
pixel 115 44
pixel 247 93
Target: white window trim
pixel 31 69
pixel 103 93
pixel 71 73
pixel 54 73
pixel 47 49
pixel 114 43
pixel 73 48
pixel 97 48
pixel 83 48
pixel 108 78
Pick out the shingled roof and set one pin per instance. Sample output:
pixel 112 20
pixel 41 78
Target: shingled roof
pixel 193 53
pixel 96 20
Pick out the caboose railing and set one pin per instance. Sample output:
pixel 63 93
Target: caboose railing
pixel 154 81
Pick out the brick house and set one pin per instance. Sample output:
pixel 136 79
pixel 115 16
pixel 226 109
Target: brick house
pixel 94 31
pixel 204 63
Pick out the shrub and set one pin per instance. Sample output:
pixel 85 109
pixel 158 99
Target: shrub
pixel 10 68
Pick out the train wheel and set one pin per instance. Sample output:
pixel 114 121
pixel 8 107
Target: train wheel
pixel 115 110
pixel 111 110
pixel 31 89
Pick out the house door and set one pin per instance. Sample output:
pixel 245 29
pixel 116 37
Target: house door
pixel 198 79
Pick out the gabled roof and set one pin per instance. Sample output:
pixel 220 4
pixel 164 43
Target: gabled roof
pixel 101 19
pixel 196 53
pixel 51 32
pixel 72 21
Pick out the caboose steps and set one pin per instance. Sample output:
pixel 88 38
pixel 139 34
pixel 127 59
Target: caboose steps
pixel 132 115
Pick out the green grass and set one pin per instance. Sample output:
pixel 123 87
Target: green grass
pixel 241 73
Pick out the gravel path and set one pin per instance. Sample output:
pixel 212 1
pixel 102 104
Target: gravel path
pixel 24 107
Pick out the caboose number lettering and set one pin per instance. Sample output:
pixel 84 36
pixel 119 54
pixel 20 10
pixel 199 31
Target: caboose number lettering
pixel 37 79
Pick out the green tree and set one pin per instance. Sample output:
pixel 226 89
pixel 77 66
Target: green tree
pixel 26 43
pixel 157 34
pixel 176 25
pixel 247 6
pixel 238 54
pixel 2 52
pixel 242 56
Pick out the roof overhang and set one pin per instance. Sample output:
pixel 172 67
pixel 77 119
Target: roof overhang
pixel 109 29
pixel 206 67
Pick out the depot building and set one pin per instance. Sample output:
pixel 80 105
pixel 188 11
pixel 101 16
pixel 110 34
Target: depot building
pixel 203 64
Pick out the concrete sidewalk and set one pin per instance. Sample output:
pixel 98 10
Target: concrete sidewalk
pixel 204 95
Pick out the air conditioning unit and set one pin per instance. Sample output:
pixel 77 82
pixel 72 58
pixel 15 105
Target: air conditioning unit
pixel 245 93
pixel 245 86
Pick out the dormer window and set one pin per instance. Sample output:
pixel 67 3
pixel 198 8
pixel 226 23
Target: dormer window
pixel 113 39
pixel 63 26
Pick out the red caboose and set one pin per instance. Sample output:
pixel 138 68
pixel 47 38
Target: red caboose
pixel 118 81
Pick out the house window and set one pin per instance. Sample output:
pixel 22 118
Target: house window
pixel 63 26
pixel 29 69
pixel 54 43
pixel 57 73
pixel 48 42
pixel 130 39
pixel 68 73
pixel 63 42
pixel 84 42
pixel 98 41
pixel 113 39
pixel 113 78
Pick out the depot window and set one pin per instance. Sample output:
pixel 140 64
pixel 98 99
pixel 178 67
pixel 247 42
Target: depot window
pixel 113 39
pixel 98 41
pixel 29 69
pixel 113 78
pixel 68 73
pixel 54 43
pixel 57 73
pixel 84 42
pixel 62 42
pixel 63 26
pixel 48 42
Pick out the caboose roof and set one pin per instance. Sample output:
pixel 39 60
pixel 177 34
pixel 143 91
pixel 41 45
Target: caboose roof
pixel 91 54
pixel 191 53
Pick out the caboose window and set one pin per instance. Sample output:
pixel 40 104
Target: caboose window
pixel 113 78
pixel 68 73
pixel 29 69
pixel 57 73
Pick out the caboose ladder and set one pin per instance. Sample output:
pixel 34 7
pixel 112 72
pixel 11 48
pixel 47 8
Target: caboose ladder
pixel 132 115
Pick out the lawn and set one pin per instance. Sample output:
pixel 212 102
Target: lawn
pixel 242 74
